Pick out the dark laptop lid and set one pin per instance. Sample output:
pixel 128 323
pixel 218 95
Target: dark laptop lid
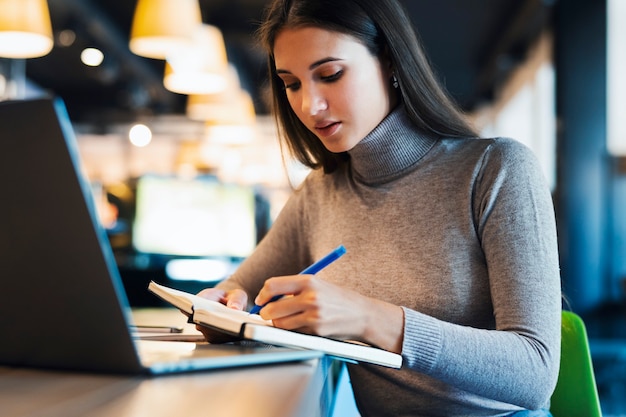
pixel 62 302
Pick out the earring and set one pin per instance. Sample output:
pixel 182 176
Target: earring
pixel 394 81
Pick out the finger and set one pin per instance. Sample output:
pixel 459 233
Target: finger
pixel 290 312
pixel 213 294
pixel 237 299
pixel 301 322
pixel 279 286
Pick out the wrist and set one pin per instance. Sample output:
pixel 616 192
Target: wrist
pixel 384 326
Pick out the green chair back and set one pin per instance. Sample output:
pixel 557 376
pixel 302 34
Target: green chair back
pixel 576 394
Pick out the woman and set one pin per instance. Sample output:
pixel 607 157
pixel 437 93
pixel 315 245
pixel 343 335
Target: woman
pixel 451 244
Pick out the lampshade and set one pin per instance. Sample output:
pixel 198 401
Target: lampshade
pixel 203 107
pixel 25 29
pixel 229 108
pixel 162 26
pixel 200 68
pixel 229 116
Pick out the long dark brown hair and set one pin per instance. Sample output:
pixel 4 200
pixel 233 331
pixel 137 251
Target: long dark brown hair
pixel 384 27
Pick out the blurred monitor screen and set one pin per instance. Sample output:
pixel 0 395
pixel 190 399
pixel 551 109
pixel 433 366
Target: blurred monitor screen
pixel 196 217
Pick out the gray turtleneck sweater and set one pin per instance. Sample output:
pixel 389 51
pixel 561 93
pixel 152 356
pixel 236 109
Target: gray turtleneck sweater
pixel 461 234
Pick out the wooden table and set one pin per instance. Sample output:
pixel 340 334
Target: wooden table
pixel 291 389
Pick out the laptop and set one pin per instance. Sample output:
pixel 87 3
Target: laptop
pixel 62 302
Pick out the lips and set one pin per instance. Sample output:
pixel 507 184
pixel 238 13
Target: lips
pixel 327 129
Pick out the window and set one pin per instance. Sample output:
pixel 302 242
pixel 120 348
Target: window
pixel 616 81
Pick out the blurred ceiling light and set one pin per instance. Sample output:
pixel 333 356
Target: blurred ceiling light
pixel 161 27
pixel 140 135
pixel 66 37
pixel 91 57
pixel 200 68
pixel 25 29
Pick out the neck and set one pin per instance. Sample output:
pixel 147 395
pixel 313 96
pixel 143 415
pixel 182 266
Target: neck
pixel 388 151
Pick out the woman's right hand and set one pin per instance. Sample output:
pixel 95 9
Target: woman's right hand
pixel 236 299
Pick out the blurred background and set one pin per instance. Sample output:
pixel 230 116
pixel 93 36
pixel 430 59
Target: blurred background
pixel 180 148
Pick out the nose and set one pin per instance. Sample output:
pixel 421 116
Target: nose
pixel 313 101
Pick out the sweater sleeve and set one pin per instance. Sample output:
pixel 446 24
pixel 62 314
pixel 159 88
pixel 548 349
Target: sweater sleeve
pixel 514 221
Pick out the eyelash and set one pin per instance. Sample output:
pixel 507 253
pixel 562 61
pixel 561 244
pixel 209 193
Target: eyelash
pixel 333 77
pixel 292 86
pixel 328 79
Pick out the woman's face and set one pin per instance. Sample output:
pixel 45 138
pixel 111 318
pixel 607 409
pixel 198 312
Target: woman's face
pixel 338 90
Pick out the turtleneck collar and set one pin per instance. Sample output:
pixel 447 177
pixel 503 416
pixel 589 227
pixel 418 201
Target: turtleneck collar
pixel 390 150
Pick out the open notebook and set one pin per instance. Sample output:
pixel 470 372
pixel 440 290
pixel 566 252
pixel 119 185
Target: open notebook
pixel 252 327
pixel 62 303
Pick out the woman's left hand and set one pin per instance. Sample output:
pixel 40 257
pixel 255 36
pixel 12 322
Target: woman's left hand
pixel 236 299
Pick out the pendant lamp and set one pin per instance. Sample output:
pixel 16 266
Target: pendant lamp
pixel 234 108
pixel 231 106
pixel 25 29
pixel 201 68
pixel 162 26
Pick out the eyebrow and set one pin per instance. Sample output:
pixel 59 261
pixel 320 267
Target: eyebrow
pixel 313 65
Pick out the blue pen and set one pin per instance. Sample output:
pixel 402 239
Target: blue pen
pixel 311 270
